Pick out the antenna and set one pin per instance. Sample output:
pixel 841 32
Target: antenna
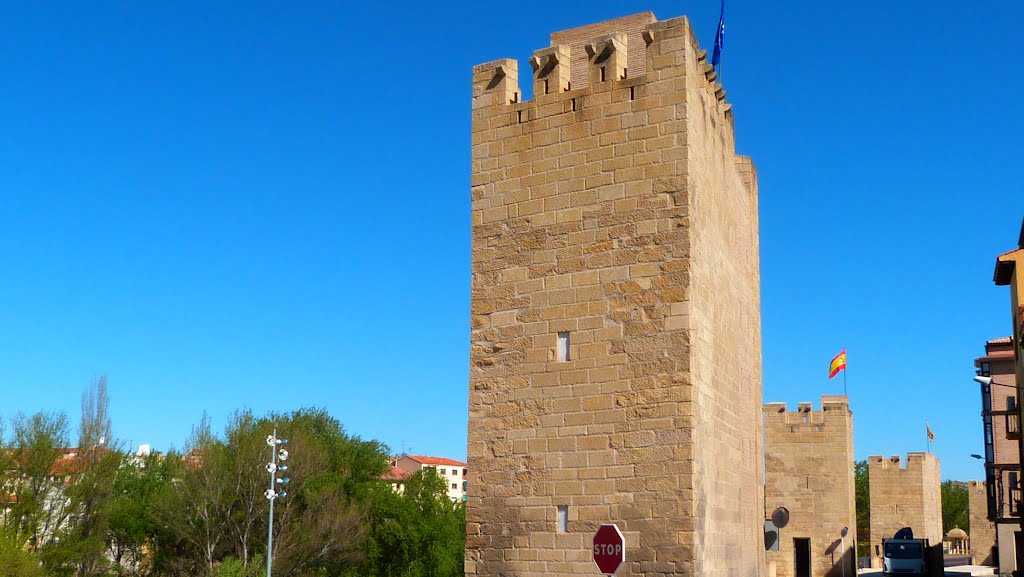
pixel 1020 241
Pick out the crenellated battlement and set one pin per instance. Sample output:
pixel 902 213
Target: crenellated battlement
pixel 915 462
pixel 625 59
pixel 833 408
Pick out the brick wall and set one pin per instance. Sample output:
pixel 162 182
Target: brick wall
pixel 809 462
pixel 617 212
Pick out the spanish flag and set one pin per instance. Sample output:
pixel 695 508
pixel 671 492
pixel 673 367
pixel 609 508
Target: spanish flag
pixel 928 430
pixel 838 364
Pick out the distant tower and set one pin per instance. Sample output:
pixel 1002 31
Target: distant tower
pixel 982 529
pixel 616 330
pixel 809 465
pixel 905 497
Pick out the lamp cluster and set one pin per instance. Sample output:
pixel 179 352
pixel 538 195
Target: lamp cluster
pixel 277 453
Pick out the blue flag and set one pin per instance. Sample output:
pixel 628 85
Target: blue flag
pixel 716 56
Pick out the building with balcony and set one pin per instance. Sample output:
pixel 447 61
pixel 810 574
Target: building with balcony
pixel 1001 413
pixel 1001 429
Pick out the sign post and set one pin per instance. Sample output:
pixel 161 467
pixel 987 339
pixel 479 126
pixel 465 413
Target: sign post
pixel 609 549
pixel 842 554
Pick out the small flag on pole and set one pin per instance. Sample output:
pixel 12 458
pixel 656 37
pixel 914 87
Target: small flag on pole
pixel 928 430
pixel 716 55
pixel 837 364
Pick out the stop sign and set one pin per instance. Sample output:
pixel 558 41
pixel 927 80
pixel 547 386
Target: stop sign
pixel 609 549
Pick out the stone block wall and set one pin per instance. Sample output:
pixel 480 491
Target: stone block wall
pixel 982 532
pixel 905 497
pixel 616 216
pixel 809 462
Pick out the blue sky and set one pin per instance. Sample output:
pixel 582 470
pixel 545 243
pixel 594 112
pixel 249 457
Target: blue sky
pixel 267 206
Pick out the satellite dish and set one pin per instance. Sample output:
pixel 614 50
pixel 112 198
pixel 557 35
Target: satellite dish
pixel 844 532
pixel 780 517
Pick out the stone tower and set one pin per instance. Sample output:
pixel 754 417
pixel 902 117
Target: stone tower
pixel 982 530
pixel 905 497
pixel 616 340
pixel 809 464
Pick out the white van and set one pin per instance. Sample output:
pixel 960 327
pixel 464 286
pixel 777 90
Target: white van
pixel 904 556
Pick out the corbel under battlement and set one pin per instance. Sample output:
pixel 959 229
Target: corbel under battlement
pixel 551 70
pixel 667 44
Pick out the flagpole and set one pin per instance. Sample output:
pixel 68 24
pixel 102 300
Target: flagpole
pixel 845 369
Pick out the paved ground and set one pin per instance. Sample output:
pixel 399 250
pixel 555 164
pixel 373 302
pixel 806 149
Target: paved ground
pixel 955 571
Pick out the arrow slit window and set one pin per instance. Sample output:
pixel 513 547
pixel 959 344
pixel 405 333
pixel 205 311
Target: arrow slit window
pixel 563 347
pixel 563 518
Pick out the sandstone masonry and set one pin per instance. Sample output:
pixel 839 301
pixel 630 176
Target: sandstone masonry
pixel 809 463
pixel 905 497
pixel 982 531
pixel 615 339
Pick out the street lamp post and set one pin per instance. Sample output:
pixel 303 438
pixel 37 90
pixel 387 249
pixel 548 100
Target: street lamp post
pixel 277 452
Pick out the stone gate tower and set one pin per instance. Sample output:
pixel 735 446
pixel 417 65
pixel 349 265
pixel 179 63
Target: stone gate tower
pixel 809 462
pixel 616 342
pixel 908 496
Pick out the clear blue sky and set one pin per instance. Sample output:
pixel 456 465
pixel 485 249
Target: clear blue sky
pixel 261 205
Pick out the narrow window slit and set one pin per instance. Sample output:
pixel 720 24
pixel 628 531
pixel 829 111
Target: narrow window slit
pixel 520 113
pixel 563 518
pixel 545 87
pixel 602 74
pixel 574 105
pixel 632 92
pixel 563 347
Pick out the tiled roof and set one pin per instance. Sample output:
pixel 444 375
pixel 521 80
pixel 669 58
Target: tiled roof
pixel 435 460
pixel 396 474
pixel 1001 341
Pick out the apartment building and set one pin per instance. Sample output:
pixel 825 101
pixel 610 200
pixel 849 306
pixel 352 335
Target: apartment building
pixel 452 471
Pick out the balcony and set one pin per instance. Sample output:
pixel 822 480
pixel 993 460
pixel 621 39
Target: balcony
pixel 1012 426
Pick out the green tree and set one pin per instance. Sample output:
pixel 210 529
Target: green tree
pixel 35 478
pixel 81 549
pixel 863 503
pixel 321 524
pixel 15 560
pixel 419 533
pixel 133 530
pixel 198 505
pixel 955 506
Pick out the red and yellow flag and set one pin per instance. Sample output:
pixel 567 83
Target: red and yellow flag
pixel 928 431
pixel 838 364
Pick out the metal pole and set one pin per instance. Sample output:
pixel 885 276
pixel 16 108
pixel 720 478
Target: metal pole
pixel 842 555
pixel 270 524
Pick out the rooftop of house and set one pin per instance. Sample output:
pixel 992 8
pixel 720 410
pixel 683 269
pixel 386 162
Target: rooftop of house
pixel 425 460
pixel 395 474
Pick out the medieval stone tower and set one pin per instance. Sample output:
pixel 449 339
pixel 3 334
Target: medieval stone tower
pixel 616 342
pixel 809 471
pixel 905 497
pixel 982 530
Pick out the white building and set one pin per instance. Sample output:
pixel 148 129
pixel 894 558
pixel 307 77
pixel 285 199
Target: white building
pixel 452 471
